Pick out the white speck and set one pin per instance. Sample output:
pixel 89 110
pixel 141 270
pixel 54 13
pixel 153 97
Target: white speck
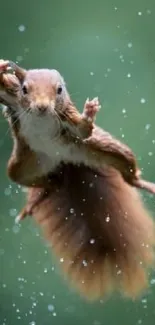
pixel 41 293
pixel 115 8
pixel 150 153
pixel 92 73
pixel 124 111
pixel 152 281
pixel 13 212
pixel 143 100
pixel 16 229
pixel 61 259
pixel 21 28
pixel 129 45
pixel 139 13
pixel 50 307
pixel 92 241
pixel 19 58
pixel 148 11
pixel 71 210
pixel 144 301
pixel 119 272
pixel 147 126
pixel 129 75
pixel 7 191
pixel 109 70
pixel 45 270
pixel 91 185
pixel 107 219
pixel 32 323
pixel 54 314
pixel 84 263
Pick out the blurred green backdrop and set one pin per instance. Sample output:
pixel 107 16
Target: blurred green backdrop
pixel 102 48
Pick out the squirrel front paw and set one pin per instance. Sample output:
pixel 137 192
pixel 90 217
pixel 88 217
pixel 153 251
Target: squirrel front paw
pixel 4 66
pixel 91 108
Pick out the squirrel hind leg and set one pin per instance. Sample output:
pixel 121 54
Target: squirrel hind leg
pixel 100 231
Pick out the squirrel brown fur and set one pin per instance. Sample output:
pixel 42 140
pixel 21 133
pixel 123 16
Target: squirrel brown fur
pixel 80 182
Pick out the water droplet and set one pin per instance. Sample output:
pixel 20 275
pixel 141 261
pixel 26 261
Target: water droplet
pixel 61 259
pixel 147 126
pixel 92 241
pixel 143 100
pixel 50 308
pixel 21 28
pixel 129 45
pixel 84 263
pixel 152 281
pixel 16 229
pixel 13 212
pixel 54 314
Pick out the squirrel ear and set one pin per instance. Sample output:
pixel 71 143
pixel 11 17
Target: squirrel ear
pixel 19 72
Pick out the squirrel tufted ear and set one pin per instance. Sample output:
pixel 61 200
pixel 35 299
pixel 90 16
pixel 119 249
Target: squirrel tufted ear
pixel 19 72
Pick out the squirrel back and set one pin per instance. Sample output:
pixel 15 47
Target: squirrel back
pixel 98 228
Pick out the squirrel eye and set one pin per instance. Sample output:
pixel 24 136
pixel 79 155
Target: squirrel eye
pixel 59 90
pixel 24 89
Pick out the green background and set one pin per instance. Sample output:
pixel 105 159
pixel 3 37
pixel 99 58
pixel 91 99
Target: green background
pixel 102 48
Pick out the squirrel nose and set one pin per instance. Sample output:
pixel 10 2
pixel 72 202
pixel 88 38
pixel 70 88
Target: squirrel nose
pixel 42 108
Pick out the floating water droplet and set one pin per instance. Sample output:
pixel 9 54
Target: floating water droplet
pixel 92 241
pixel 50 308
pixel 61 259
pixel 21 28
pixel 152 281
pixel 13 212
pixel 16 229
pixel 129 45
pixel 143 100
pixel 84 263
pixel 147 126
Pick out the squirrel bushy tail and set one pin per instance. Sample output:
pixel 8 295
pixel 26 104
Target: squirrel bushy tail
pixel 99 230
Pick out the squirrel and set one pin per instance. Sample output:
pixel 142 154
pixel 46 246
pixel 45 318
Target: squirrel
pixel 81 184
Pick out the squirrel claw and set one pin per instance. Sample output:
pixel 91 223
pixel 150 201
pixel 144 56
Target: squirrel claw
pixel 91 107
